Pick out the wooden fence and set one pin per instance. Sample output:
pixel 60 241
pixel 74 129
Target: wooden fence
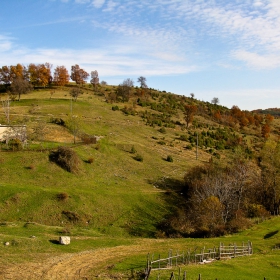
pixel 195 256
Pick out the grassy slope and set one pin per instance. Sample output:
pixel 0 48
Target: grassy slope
pixel 113 197
pixel 113 194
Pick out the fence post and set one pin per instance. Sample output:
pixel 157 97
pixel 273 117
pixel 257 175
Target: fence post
pixel 199 276
pixel 159 261
pixel 234 249
pixel 179 276
pixel 148 261
pixel 185 275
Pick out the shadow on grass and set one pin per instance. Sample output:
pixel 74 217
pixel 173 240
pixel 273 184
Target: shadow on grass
pixel 270 234
pixel 55 242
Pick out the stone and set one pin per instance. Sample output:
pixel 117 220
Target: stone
pixel 64 240
pixel 7 243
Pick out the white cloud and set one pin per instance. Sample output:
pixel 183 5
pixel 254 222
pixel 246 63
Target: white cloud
pixel 98 3
pixel 82 1
pixel 111 5
pixel 5 43
pixel 255 60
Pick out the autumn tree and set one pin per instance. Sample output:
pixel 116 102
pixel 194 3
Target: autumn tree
pixel 189 112
pixel 94 79
pixel 270 165
pixel 78 75
pixel 217 194
pixel 40 74
pixel 61 76
pixel 265 130
pixel 19 71
pixel 269 119
pixel 19 87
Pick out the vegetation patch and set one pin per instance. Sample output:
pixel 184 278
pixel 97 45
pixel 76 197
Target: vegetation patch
pixel 66 158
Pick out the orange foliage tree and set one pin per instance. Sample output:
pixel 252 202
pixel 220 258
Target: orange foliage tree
pixel 61 76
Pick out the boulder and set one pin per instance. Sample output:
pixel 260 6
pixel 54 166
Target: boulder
pixel 64 240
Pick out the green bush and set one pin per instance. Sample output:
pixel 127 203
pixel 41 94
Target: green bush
pixel 15 144
pixel 133 150
pixel 115 108
pixel 169 158
pixel 162 130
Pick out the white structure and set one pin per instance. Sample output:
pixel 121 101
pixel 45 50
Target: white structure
pixel 8 132
pixel 64 240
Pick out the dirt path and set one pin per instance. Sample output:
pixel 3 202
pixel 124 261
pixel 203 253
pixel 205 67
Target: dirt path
pixel 85 265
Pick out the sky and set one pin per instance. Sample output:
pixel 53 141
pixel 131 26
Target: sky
pixel 229 49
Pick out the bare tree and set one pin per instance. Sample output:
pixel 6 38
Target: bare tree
pixel 19 87
pixel 215 101
pixel 76 92
pixel 142 80
pixel 94 79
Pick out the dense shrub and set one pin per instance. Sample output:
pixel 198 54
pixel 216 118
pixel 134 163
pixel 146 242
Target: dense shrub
pixel 115 108
pixel 169 158
pixel 66 158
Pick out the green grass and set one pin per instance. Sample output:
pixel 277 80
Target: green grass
pixel 115 198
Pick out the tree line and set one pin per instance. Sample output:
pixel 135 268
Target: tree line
pixel 219 199
pixel 19 79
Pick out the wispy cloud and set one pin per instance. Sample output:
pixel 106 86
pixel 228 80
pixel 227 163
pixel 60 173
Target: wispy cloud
pixel 5 43
pixel 98 3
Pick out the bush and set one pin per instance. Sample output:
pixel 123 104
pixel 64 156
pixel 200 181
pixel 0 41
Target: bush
pixel 115 108
pixel 62 196
pixel 138 158
pixel 133 150
pixel 66 158
pixel 15 144
pixel 58 121
pixel 169 158
pixel 184 138
pixel 162 130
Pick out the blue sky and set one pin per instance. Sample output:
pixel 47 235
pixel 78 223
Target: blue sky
pixel 228 49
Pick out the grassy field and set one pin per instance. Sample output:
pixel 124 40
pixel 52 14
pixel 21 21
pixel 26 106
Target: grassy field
pixel 113 205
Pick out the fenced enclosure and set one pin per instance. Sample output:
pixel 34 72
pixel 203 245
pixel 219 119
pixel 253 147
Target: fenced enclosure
pixel 198 256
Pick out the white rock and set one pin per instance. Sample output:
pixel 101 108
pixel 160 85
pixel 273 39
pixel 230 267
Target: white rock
pixel 64 240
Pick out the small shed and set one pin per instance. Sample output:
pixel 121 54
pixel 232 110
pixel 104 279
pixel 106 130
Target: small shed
pixel 8 132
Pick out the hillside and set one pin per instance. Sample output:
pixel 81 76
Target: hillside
pixel 128 182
